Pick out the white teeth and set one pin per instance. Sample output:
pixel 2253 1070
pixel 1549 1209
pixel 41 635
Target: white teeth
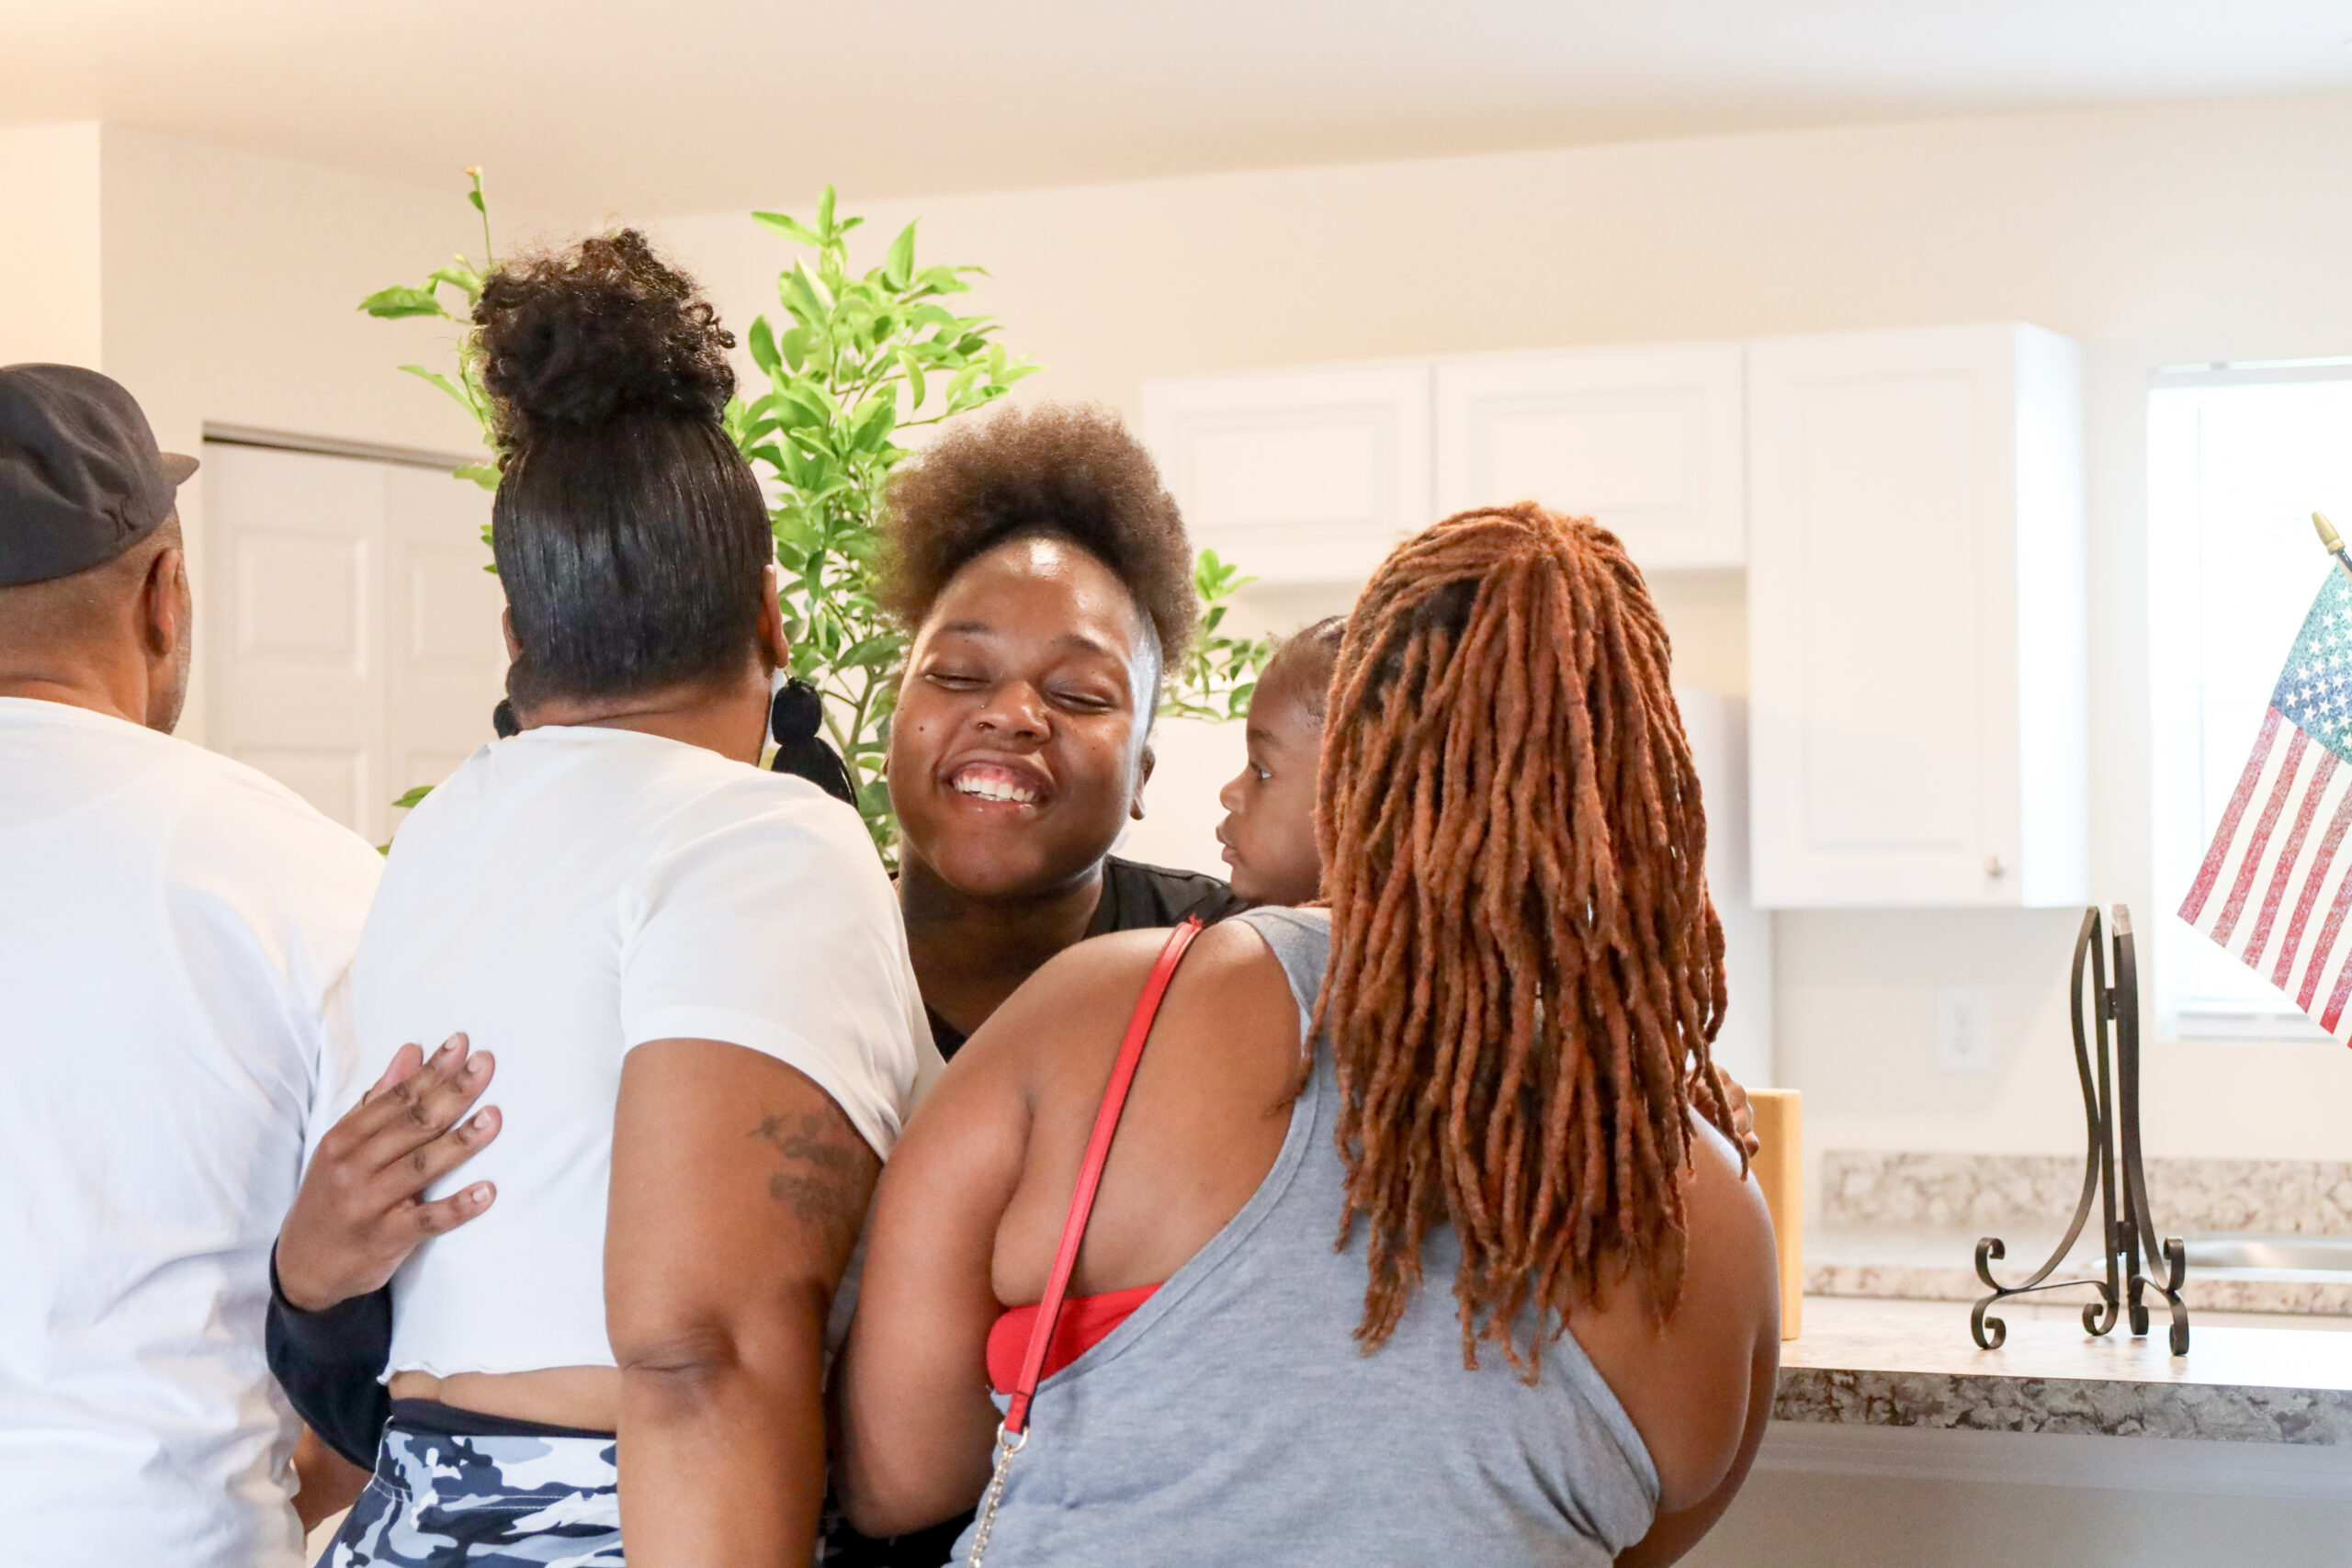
pixel 996 789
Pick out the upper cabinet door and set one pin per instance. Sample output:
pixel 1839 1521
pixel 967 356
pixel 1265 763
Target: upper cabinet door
pixel 1644 441
pixel 1297 476
pixel 1917 659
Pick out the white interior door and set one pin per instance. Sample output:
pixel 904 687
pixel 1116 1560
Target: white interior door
pixel 446 660
pixel 352 641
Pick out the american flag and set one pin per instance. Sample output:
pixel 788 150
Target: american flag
pixel 2275 889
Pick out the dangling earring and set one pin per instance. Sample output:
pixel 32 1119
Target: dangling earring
pixel 785 717
pixel 795 714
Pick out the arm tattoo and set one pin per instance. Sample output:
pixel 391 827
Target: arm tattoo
pixel 828 1175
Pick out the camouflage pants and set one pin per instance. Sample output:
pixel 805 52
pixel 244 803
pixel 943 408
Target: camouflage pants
pixel 438 1500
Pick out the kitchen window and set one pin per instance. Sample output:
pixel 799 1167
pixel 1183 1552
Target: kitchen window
pixel 2239 457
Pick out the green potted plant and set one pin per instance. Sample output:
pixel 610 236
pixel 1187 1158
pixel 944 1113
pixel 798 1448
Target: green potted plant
pixel 859 358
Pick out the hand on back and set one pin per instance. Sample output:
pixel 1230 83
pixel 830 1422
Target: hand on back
pixel 361 1209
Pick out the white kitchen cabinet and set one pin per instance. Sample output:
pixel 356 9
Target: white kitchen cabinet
pixel 1917 639
pixel 1298 475
pixel 1647 442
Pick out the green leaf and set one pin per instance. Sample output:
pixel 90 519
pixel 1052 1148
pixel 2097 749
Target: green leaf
pixel 825 212
pixel 389 304
pixel 482 474
pixel 879 650
pixel 408 801
pixel 801 298
pixel 913 368
pixel 459 277
pixel 761 340
pixel 900 265
pixel 437 379
pixel 797 343
pixel 790 228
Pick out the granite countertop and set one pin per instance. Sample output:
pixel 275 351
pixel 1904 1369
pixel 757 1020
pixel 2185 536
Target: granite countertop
pixel 1927 1264
pixel 1913 1364
pixel 1905 1225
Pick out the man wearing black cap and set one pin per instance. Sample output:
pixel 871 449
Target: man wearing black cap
pixel 174 928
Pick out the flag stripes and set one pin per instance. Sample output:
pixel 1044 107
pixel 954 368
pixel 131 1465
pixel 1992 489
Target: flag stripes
pixel 2225 837
pixel 2278 872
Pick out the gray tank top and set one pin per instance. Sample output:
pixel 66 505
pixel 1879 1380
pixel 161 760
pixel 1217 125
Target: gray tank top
pixel 1234 1419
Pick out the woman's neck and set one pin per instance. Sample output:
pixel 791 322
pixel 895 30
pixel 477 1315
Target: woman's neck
pixel 731 720
pixel 970 953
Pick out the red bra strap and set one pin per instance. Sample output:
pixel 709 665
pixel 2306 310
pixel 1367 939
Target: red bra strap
pixel 1090 1172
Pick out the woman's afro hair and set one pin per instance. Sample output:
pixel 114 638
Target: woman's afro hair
pixel 578 339
pixel 1058 470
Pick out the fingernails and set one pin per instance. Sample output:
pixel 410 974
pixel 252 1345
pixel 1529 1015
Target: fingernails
pixel 441 1053
pixel 482 1118
pixel 479 1193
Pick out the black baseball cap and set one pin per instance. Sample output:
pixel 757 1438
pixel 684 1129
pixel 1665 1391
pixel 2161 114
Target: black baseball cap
pixel 81 479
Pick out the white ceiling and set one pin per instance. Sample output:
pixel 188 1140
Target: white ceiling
pixel 679 105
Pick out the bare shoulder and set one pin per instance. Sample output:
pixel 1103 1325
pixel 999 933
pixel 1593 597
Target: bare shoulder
pixel 1725 1206
pixel 1090 989
pixel 1684 1380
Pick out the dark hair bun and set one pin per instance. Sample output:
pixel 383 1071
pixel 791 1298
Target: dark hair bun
pixel 574 341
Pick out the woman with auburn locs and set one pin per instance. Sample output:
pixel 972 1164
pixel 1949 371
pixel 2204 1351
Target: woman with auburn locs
pixel 1549 1332
pixel 632 1342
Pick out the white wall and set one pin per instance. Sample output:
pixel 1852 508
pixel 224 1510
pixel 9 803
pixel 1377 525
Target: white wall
pixel 49 244
pixel 230 292
pixel 2154 236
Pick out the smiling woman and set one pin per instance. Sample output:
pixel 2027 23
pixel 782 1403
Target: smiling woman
pixel 1044 575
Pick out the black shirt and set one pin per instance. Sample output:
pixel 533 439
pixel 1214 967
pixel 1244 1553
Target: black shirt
pixel 329 1361
pixel 1136 897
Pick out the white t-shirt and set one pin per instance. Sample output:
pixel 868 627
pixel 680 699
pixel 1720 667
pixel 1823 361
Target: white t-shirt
pixel 576 891
pixel 174 930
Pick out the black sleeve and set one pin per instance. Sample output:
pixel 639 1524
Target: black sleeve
pixel 1141 898
pixel 328 1364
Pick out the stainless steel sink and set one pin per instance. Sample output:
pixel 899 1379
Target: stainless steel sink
pixel 2295 1254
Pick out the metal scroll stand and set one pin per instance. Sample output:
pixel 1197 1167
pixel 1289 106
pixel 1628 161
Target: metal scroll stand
pixel 2112 1106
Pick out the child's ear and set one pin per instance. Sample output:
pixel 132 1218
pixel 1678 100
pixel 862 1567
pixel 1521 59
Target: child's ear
pixel 1143 777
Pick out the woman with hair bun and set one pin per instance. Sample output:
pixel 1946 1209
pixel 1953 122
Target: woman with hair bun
pixel 1044 575
pixel 1548 1333
pixel 691 973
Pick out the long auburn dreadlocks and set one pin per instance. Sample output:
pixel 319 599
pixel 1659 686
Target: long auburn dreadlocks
pixel 1526 973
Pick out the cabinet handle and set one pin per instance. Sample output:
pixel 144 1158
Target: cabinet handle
pixel 1993 867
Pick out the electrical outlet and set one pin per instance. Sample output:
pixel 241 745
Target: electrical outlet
pixel 1964 1035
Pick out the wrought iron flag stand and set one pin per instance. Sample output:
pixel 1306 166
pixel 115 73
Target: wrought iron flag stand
pixel 2106 1060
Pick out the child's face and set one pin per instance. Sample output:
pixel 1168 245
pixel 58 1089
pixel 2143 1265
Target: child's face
pixel 1268 829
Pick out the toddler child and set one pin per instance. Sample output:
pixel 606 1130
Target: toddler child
pixel 1268 827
